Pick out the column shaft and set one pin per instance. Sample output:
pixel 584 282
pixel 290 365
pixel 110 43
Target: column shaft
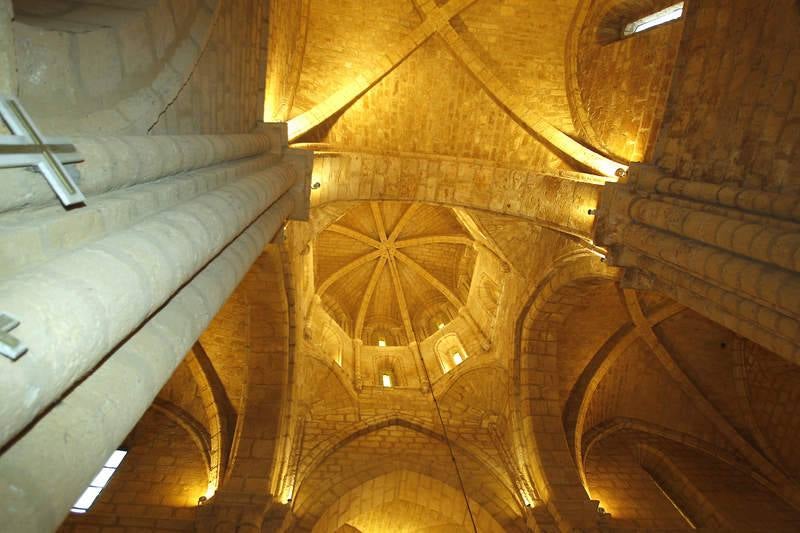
pixel 729 253
pixel 757 241
pixel 77 307
pixel 45 470
pixel 760 202
pixel 32 237
pixel 117 162
pixel 773 287
pixel 359 382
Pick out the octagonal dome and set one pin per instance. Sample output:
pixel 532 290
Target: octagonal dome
pixel 392 272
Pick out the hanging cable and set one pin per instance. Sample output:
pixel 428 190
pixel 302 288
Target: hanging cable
pixel 447 441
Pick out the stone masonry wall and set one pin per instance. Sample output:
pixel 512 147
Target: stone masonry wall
pixel 734 110
pixel 225 91
pixel 623 82
pixel 156 486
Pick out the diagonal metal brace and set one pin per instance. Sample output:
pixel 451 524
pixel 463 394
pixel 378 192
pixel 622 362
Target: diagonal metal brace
pixel 29 148
pixel 10 346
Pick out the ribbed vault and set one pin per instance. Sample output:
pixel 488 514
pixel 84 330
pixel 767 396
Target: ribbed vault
pixel 383 265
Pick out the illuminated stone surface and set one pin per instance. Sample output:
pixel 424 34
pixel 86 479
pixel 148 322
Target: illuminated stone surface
pixel 589 339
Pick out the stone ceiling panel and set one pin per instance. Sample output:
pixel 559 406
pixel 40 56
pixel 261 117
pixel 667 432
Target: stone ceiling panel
pixel 706 351
pixel 628 391
pixel 524 43
pixel 348 289
pixel 384 301
pixel 596 312
pixel 527 246
pixel 432 104
pixel 431 220
pixel 344 38
pixel 439 260
pixel 421 295
pixel 339 250
pixel 381 264
pixel 355 220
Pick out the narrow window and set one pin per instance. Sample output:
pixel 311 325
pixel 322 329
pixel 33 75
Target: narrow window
pixel 458 358
pixel 658 18
pixel 386 380
pixel 440 325
pixel 100 480
pixel 382 342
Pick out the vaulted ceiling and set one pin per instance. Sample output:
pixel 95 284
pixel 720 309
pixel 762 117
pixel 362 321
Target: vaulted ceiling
pixel 383 263
pixel 462 79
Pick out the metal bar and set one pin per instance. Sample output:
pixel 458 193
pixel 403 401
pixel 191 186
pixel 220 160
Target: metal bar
pixel 19 160
pixel 51 167
pixel 10 346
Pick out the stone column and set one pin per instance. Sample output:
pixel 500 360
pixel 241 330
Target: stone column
pixel 109 315
pixel 358 344
pixel 75 308
pixel 48 466
pixel 419 366
pixel 730 254
pixel 112 163
pixel 233 512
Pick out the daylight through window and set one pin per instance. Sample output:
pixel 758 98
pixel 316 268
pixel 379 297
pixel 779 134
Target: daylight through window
pixel 100 480
pixel 658 18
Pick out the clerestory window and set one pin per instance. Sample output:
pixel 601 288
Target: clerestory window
pixel 99 482
pixel 386 380
pixel 673 12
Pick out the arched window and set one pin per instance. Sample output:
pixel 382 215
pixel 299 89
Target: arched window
pixel 437 313
pixel 673 12
pixel 383 331
pixel 450 352
pixel 389 370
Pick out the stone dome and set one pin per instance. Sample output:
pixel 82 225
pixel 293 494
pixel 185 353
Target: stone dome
pixel 394 272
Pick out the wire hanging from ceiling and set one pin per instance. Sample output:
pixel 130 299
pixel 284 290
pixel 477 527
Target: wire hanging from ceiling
pixel 447 441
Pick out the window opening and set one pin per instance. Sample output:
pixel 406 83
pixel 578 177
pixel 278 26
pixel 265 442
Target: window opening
pixel 99 482
pixel 440 325
pixel 673 12
pixel 386 380
pixel 458 358
pixel 382 342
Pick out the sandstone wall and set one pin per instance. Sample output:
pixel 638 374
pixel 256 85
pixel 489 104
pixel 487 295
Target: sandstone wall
pixel 734 105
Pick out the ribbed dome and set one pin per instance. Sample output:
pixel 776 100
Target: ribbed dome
pixel 393 271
